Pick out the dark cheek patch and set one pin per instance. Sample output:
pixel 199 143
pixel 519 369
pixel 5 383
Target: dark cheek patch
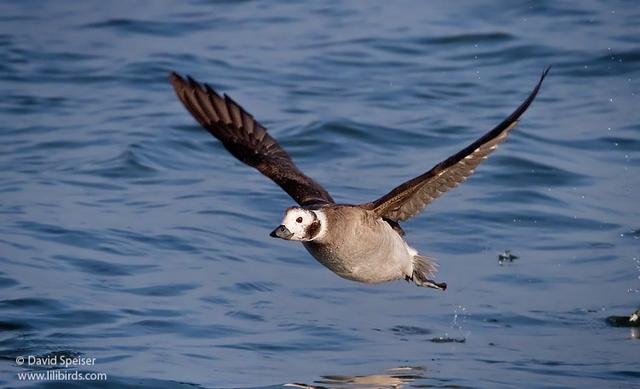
pixel 312 230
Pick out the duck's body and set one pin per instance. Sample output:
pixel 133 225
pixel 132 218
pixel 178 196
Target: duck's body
pixel 359 246
pixel 362 242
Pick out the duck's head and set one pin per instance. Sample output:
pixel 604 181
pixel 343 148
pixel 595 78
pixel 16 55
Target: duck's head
pixel 299 224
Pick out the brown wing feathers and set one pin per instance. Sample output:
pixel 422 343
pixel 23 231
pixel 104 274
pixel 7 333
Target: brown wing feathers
pixel 246 139
pixel 411 197
pixel 249 141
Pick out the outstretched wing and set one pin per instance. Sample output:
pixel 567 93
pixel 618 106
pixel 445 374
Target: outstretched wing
pixel 247 139
pixel 410 198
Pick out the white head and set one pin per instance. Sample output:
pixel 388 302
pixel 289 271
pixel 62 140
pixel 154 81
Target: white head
pixel 300 224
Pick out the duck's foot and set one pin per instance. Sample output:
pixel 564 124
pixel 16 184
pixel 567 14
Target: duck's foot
pixel 422 281
pixel 435 285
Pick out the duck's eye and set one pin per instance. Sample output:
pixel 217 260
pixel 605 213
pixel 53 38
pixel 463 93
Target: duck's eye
pixel 299 220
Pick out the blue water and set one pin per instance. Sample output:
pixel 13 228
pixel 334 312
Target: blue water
pixel 129 235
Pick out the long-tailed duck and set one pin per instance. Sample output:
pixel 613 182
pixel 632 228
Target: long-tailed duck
pixel 362 242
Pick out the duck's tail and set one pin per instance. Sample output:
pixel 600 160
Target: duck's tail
pixel 423 268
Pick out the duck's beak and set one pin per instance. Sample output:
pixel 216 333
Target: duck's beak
pixel 281 232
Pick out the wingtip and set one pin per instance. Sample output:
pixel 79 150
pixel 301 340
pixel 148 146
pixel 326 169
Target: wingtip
pixel 174 76
pixel 534 93
pixel 545 72
pixel 177 81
